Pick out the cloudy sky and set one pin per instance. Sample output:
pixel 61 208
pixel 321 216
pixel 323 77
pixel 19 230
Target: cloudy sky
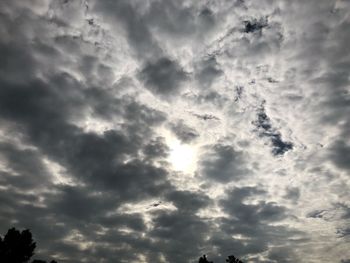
pixel 158 130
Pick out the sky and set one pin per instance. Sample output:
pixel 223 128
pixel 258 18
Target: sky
pixel 159 131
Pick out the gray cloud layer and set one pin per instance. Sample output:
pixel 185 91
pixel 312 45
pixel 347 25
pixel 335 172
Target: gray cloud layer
pixel 93 95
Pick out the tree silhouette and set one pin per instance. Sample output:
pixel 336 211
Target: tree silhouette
pixel 42 261
pixel 233 259
pixel 230 259
pixel 18 247
pixel 204 260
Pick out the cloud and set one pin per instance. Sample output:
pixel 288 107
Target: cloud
pixel 189 201
pixel 251 214
pixel 279 254
pixel 253 223
pixel 93 93
pixel 343 232
pixel 163 77
pixel 179 235
pixel 293 194
pixel 222 163
pixel 339 154
pixel 183 132
pixel 26 169
pixel 138 33
pixel 208 71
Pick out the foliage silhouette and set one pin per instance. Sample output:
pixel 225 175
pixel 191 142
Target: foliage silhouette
pixel 42 261
pixel 204 260
pixel 233 259
pixel 18 247
pixel 230 259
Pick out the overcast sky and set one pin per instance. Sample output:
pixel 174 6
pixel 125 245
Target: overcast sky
pixel 158 130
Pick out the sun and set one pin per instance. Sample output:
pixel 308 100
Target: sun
pixel 182 156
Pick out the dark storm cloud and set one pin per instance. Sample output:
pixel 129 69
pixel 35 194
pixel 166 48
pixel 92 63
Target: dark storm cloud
pixel 16 62
pixel 92 159
pixel 172 18
pixel 95 71
pixel 95 160
pixel 282 254
pixel 179 235
pixel 334 80
pixel 345 208
pixel 265 129
pixel 104 105
pixel 41 113
pixel 138 33
pixel 251 214
pixel 338 110
pixel 340 154
pixel 254 222
pixel 188 201
pixel 207 18
pixel 79 213
pixel 14 201
pixel 163 76
pixel 123 247
pixel 20 209
pixel 80 204
pixel 222 163
pixel 183 132
pixel 27 170
pixel 131 221
pixel 39 109
pixel 208 71
pixel 71 106
pixel 177 20
pixel 156 148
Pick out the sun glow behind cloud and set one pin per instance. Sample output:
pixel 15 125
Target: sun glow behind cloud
pixel 182 156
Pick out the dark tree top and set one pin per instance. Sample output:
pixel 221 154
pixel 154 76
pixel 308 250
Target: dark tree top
pixel 17 247
pixel 233 259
